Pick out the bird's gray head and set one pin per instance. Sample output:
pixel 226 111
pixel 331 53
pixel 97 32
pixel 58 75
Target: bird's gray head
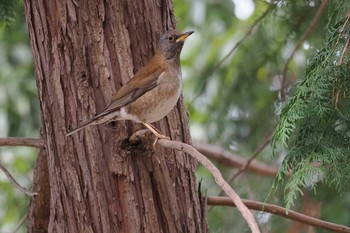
pixel 171 42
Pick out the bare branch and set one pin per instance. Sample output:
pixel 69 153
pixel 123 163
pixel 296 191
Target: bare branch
pixel 299 43
pixel 15 183
pixel 344 51
pixel 272 5
pixel 20 223
pixel 248 216
pixel 277 210
pixel 226 157
pixel 257 151
pixel 30 142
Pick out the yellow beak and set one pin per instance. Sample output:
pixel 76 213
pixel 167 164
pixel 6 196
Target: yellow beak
pixel 184 36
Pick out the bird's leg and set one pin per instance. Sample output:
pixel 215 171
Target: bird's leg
pixel 156 133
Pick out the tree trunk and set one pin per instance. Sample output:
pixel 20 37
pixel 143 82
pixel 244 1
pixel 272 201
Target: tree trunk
pixel 96 181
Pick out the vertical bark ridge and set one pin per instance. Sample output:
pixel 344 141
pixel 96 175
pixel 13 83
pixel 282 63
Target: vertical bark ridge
pixel 84 51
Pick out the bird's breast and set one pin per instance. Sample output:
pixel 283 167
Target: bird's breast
pixel 158 102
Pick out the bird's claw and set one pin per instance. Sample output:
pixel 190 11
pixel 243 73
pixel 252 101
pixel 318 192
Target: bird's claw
pixel 159 136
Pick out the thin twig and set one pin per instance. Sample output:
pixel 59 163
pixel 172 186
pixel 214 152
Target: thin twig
pixel 244 167
pixel 344 51
pixel 277 210
pixel 248 216
pixel 30 142
pixel 341 32
pixel 257 151
pixel 20 223
pixel 15 183
pixel 299 43
pixel 272 5
pixel 227 158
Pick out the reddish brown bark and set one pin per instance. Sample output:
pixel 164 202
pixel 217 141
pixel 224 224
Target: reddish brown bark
pixel 39 212
pixel 98 182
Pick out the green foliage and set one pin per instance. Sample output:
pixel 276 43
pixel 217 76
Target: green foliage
pixel 234 105
pixel 19 113
pixel 315 123
pixel 8 11
pixel 231 105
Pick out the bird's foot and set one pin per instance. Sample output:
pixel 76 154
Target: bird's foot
pixel 156 133
pixel 159 136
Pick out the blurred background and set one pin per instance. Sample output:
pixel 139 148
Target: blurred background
pixel 232 68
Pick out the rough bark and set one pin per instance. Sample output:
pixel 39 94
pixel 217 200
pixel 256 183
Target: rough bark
pixel 98 182
pixel 39 211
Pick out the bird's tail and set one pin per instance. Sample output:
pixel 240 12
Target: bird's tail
pixel 101 118
pixel 80 127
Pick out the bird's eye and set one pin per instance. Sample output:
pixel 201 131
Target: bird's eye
pixel 171 38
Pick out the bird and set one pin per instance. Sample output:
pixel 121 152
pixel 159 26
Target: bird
pixel 152 92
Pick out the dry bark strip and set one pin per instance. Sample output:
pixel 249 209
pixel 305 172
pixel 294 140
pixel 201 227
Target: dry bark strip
pixel 83 52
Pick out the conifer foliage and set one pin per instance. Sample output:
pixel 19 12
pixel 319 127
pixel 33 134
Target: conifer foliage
pixel 314 124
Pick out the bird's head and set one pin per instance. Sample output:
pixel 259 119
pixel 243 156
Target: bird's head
pixel 171 42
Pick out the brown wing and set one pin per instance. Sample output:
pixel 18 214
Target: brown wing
pixel 143 81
